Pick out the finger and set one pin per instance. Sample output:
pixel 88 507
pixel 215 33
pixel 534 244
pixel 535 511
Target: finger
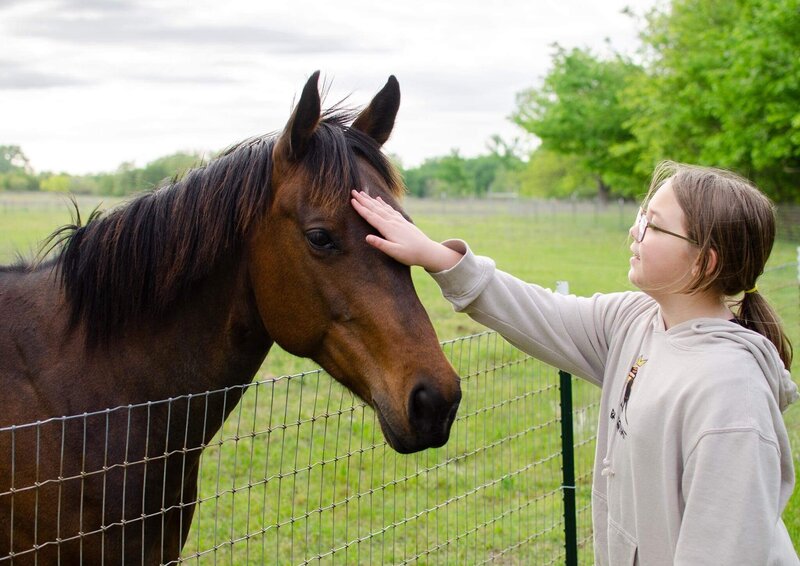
pixel 375 241
pixel 367 213
pixel 367 201
pixel 392 250
pixel 378 243
pixel 362 209
pixel 374 219
pixel 361 198
pixel 379 207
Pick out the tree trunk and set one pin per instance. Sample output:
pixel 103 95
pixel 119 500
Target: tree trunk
pixel 603 190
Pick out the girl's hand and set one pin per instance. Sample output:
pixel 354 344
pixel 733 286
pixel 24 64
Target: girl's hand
pixel 402 240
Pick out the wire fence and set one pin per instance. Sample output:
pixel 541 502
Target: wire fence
pixel 299 473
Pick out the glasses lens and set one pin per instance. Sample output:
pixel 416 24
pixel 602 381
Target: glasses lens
pixel 641 226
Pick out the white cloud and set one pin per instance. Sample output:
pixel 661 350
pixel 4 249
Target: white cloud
pixel 94 83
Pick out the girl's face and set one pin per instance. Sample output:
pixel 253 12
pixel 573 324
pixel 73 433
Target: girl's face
pixel 662 264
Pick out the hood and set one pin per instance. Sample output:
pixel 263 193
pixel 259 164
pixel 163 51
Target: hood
pixel 764 352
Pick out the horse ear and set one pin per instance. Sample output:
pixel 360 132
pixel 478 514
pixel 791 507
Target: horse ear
pixel 377 119
pixel 293 142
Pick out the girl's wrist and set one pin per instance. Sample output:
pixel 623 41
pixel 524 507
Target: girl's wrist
pixel 441 258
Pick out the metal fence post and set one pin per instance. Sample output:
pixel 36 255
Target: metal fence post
pixel 568 470
pixel 568 458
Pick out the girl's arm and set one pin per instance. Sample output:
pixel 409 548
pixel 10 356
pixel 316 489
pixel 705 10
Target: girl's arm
pixel 565 331
pixel 732 510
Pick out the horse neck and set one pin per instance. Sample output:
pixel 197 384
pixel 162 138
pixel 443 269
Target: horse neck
pixel 213 339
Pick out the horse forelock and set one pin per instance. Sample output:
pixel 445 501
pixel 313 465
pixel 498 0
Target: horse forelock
pixel 134 262
pixel 331 161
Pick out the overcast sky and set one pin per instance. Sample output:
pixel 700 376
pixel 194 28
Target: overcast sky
pixel 88 84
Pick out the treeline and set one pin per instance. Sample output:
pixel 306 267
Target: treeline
pixel 712 83
pixel 496 172
pixel 16 174
pixel 451 175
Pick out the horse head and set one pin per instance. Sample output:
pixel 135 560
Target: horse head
pixel 322 292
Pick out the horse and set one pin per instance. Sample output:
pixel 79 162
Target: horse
pixel 107 347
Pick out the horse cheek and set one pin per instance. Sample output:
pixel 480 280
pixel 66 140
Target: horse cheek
pixel 289 307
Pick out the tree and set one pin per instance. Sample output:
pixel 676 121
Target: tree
pixel 722 88
pixel 164 169
pixel 12 159
pixel 454 175
pixel 553 175
pixel 60 183
pixel 15 170
pixel 421 181
pixel 579 112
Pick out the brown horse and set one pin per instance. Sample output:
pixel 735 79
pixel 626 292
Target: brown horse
pixel 163 308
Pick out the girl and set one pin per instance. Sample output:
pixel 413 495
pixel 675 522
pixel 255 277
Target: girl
pixel 693 464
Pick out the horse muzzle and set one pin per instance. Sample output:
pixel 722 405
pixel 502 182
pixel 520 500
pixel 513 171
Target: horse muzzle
pixel 430 416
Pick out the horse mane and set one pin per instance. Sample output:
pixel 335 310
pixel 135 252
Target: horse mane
pixel 135 262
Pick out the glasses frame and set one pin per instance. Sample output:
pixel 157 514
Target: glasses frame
pixel 642 224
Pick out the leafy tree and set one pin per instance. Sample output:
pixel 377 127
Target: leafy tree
pixel 454 175
pixel 422 181
pixel 165 169
pixel 18 181
pixel 503 167
pixel 722 88
pixel 12 159
pixel 549 174
pixel 579 112
pixel 15 170
pixel 128 179
pixel 55 183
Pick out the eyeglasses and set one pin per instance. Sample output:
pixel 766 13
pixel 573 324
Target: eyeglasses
pixel 642 224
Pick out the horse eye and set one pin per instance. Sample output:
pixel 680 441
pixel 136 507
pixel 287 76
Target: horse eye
pixel 320 239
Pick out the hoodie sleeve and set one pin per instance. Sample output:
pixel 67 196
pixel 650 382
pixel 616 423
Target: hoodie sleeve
pixel 565 331
pixel 730 485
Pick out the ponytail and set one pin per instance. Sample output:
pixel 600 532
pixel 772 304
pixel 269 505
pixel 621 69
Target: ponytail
pixel 756 314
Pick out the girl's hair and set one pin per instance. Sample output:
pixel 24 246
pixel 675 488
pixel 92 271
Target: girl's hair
pixel 726 213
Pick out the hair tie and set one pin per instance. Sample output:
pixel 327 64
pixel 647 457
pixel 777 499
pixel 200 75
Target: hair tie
pixel 751 291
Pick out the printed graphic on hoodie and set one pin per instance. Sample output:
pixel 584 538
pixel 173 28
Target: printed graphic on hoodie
pixel 622 413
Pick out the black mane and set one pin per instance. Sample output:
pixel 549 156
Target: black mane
pixel 133 263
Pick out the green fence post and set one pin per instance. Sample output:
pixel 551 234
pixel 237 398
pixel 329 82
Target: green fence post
pixel 568 470
pixel 567 458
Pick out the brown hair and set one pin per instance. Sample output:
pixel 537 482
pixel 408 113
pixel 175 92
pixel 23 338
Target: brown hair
pixel 726 213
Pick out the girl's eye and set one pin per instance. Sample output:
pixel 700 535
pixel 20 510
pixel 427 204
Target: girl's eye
pixel 320 239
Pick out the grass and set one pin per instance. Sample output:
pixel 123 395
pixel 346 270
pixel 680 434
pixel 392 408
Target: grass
pixel 300 472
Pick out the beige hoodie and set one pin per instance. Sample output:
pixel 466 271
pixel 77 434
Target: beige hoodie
pixel 693 464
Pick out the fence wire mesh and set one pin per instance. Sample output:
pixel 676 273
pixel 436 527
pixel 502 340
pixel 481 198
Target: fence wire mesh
pixel 299 473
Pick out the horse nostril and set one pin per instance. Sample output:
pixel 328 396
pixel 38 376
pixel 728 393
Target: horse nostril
pixel 429 412
pixel 421 407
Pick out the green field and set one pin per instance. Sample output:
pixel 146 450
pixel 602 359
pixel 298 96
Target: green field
pixel 300 473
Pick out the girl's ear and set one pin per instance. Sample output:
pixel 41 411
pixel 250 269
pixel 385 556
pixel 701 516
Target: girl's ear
pixel 710 262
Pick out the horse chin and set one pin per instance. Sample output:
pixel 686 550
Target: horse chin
pixel 407 445
pixel 393 439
